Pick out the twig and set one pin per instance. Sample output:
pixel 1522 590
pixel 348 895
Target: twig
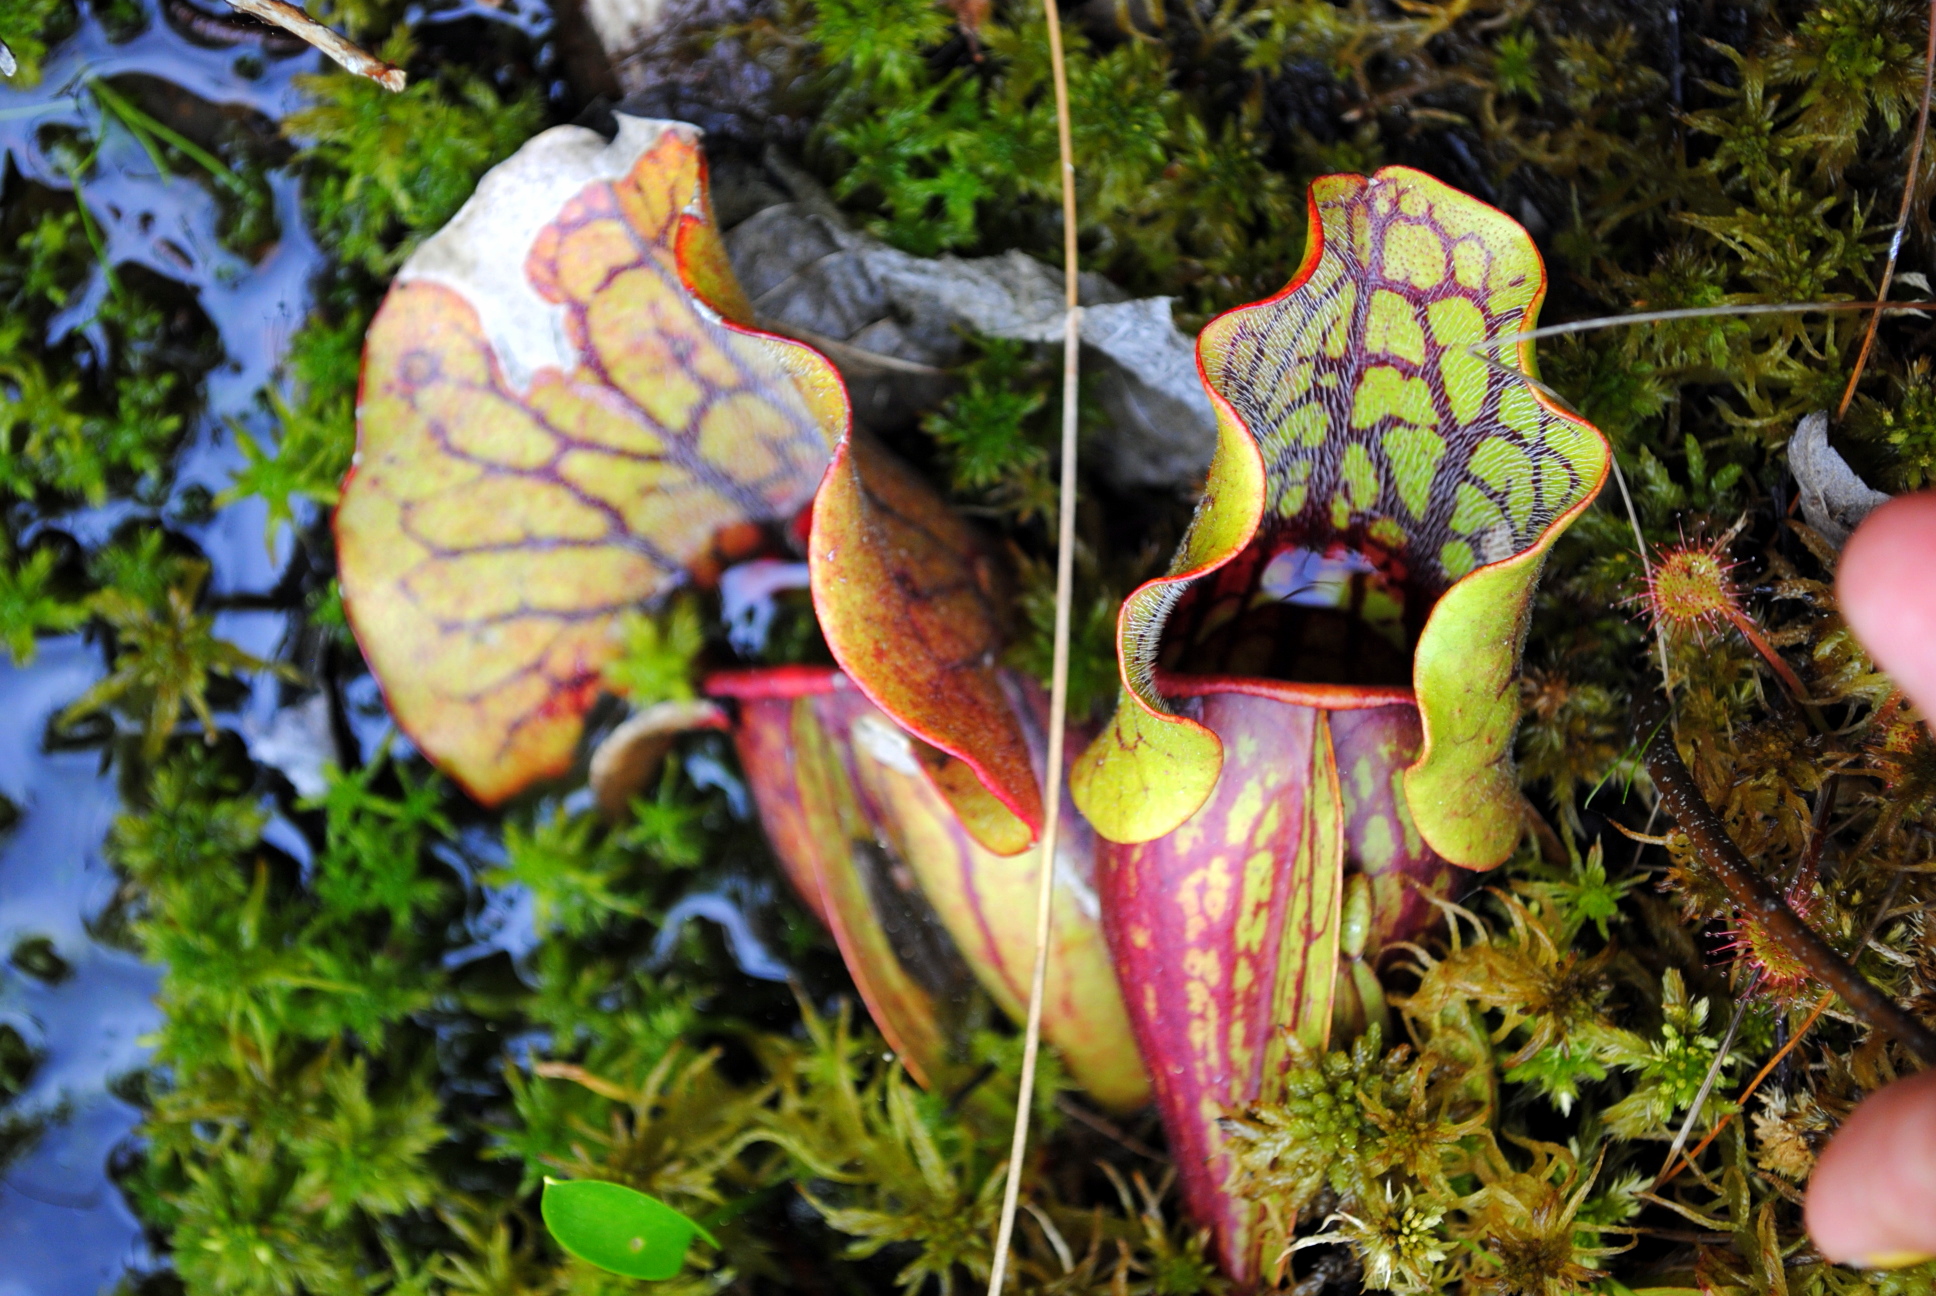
pixel 1761 903
pixel 1065 548
pixel 1902 215
pixel 580 1076
pixel 354 58
pixel 838 350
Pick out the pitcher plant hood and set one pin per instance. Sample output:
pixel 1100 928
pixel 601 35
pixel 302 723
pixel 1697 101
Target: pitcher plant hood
pixel 562 402
pixel 1356 426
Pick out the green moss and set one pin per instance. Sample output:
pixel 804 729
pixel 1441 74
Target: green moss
pixel 350 1093
pixel 30 607
pixel 389 169
pixel 1906 424
pixel 32 27
pixel 956 150
pixel 317 423
pixel 168 652
pixel 989 431
pixel 658 654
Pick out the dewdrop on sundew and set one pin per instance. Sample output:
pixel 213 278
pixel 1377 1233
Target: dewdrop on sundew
pixel 1783 973
pixel 1691 587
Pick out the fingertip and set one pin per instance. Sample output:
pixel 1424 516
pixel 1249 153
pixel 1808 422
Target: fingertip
pixel 1886 585
pixel 1872 1198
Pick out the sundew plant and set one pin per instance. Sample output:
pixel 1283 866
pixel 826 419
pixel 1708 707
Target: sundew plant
pixel 389 1012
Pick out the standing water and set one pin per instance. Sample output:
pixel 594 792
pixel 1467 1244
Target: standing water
pixel 75 1000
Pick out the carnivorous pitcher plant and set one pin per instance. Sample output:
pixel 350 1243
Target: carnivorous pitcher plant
pixel 565 402
pixel 1319 697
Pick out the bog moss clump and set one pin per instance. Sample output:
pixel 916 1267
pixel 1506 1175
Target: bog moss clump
pixel 358 1086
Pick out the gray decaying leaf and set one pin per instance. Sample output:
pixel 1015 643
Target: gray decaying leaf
pixel 1834 499
pixel 622 25
pixel 893 322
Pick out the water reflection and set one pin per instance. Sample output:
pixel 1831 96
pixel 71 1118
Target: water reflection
pixel 64 1228
pixel 72 994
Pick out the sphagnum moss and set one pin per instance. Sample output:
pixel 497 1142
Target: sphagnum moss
pixel 338 1105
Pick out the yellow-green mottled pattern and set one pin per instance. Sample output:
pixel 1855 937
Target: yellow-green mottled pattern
pixel 1351 412
pixel 1226 935
pixel 1467 462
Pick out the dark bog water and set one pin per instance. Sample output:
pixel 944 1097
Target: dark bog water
pixel 81 1004
pixel 64 1229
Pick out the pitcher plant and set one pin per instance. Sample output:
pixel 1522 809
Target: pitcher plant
pixel 1319 698
pixel 565 401
pixel 563 404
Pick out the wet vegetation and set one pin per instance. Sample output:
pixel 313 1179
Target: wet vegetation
pixel 386 1014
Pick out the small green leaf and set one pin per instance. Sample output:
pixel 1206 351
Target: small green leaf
pixel 618 1228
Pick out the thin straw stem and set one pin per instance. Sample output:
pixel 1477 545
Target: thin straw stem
pixel 1478 350
pixel 1647 568
pixel 1599 322
pixel 1708 1082
pixel 1687 1162
pixel 1065 548
pixel 1902 215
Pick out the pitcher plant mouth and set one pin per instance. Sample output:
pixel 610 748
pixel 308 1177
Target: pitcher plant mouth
pixel 1379 506
pixel 1344 614
pixel 1324 696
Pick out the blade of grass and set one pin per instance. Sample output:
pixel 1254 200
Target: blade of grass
pixel 93 233
pixel 143 126
pixel 141 137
